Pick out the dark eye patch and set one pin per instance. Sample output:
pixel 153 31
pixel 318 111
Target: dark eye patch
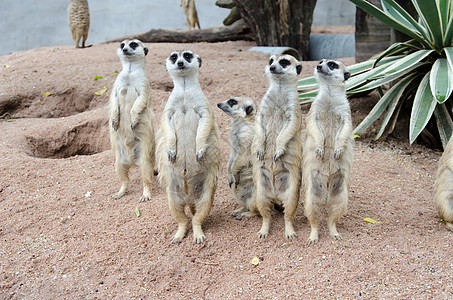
pixel 332 65
pixel 188 56
pixel 232 102
pixel 284 63
pixel 271 61
pixel 133 45
pixel 122 46
pixel 174 57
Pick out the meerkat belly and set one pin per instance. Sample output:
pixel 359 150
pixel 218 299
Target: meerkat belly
pixel 186 124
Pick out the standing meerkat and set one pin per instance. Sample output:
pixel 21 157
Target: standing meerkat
pixel 278 144
pixel 188 6
pixel 79 21
pixel 131 114
pixel 328 149
pixel 242 110
pixel 188 149
pixel 444 187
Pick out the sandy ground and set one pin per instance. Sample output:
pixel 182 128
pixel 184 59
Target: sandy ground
pixel 62 236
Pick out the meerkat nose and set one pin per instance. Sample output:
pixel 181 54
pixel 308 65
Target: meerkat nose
pixel 180 63
pixel 272 68
pixel 319 67
pixel 124 50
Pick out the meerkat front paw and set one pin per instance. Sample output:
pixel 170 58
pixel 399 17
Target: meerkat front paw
pixel 134 124
pixel 260 154
pixel 338 152
pixel 171 156
pixel 278 154
pixel 319 153
pixel 115 124
pixel 201 154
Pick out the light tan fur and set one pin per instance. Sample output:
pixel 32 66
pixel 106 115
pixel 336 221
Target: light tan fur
pixel 242 111
pixel 131 114
pixel 444 187
pixel 191 14
pixel 328 149
pixel 188 150
pixel 79 21
pixel 278 144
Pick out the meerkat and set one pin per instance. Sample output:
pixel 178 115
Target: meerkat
pixel 278 144
pixel 444 187
pixel 242 110
pixel 328 149
pixel 131 115
pixel 79 21
pixel 188 149
pixel 191 14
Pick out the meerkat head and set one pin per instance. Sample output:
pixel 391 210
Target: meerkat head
pixel 132 50
pixel 331 71
pixel 182 63
pixel 283 66
pixel 239 107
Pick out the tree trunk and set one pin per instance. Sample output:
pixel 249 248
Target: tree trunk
pixel 371 35
pixel 279 22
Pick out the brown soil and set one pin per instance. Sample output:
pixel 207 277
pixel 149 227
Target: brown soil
pixel 62 236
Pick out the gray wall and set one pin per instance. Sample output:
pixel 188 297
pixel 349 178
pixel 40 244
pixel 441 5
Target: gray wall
pixel 26 24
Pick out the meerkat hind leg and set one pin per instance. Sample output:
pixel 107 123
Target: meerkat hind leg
pixel 312 213
pixel 337 205
pixel 123 173
pixel 202 208
pixel 177 211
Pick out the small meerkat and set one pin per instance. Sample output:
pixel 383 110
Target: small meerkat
pixel 188 149
pixel 131 115
pixel 278 144
pixel 79 21
pixel 444 187
pixel 188 6
pixel 328 149
pixel 242 111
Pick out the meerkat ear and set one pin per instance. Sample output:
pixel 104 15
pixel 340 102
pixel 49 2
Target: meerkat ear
pixel 347 74
pixel 145 50
pixel 199 61
pixel 248 110
pixel 298 69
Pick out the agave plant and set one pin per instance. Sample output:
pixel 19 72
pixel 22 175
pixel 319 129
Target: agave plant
pixel 420 70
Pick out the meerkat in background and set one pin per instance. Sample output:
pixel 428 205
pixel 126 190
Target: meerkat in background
pixel 278 144
pixel 190 11
pixel 444 187
pixel 79 21
pixel 188 150
pixel 328 149
pixel 131 114
pixel 242 110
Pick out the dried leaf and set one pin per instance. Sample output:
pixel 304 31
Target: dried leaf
pixel 115 73
pixel 369 220
pixel 355 136
pixel 101 91
pixel 46 94
pixel 137 212
pixel 98 77
pixel 7 66
pixel 255 261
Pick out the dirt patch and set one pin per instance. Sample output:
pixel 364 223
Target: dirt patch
pixel 62 236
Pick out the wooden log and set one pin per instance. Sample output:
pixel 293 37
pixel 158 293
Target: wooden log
pixel 237 31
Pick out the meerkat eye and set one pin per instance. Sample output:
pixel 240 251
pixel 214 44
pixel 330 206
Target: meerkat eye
pixel 174 57
pixel 122 45
pixel 332 65
pixel 188 56
pixel 284 63
pixel 133 45
pixel 271 61
pixel 232 102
